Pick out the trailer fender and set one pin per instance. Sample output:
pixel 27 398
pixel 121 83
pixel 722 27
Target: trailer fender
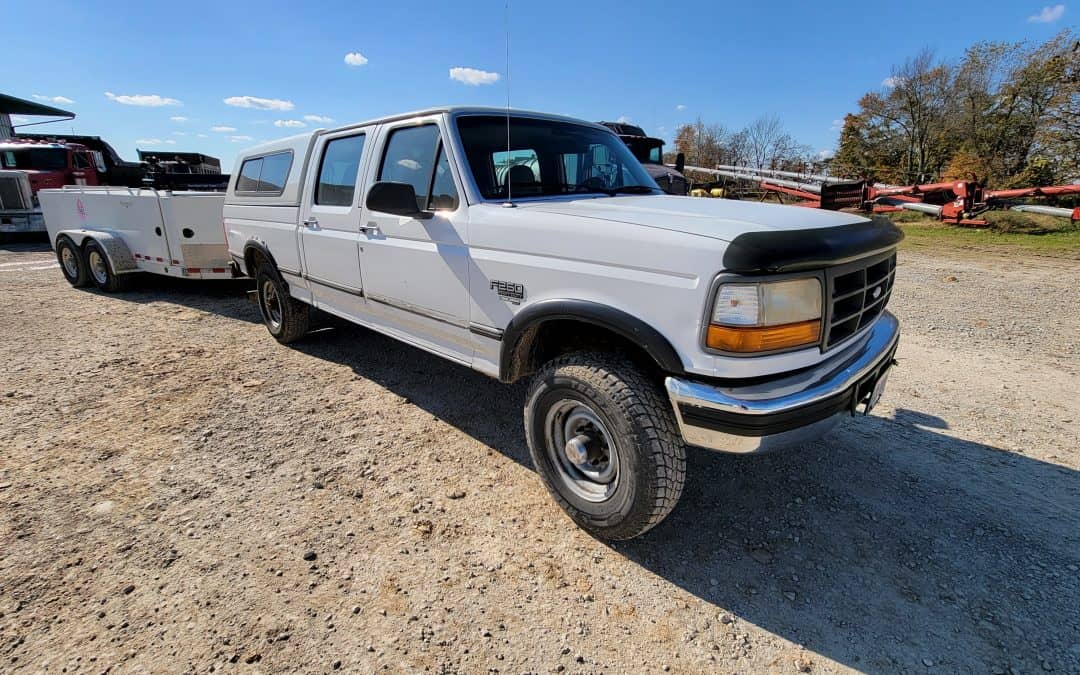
pixel 120 258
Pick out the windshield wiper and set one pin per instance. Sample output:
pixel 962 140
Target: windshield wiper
pixel 622 189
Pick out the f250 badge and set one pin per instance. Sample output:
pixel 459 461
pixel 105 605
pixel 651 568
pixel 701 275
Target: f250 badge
pixel 509 291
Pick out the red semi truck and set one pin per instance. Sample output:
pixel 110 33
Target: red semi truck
pixel 28 166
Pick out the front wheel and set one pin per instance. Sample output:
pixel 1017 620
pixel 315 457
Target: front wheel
pixel 604 441
pixel 285 317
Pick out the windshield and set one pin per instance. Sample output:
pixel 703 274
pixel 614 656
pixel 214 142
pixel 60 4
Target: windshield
pixel 548 157
pixel 39 159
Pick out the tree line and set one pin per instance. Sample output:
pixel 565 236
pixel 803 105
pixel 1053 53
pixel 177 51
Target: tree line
pixel 1004 113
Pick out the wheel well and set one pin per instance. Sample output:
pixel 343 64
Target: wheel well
pixel 254 258
pixel 550 339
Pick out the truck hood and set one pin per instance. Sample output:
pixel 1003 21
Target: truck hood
pixel 723 219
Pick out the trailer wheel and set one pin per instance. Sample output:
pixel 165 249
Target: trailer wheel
pixel 72 262
pixel 285 317
pixel 604 441
pixel 99 270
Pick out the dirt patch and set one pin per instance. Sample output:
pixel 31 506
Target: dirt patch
pixel 180 493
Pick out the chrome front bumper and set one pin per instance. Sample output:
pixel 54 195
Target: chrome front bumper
pixel 790 409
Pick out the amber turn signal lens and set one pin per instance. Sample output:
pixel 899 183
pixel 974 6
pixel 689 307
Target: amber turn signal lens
pixel 763 338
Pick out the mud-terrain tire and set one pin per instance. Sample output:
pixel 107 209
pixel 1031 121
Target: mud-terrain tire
pixel 72 262
pixel 589 413
pixel 100 271
pixel 285 317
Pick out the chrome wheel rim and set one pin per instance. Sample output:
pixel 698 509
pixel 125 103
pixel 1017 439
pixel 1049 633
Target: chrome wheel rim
pixel 271 305
pixel 97 267
pixel 69 261
pixel 582 451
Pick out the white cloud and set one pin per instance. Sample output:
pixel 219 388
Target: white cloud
pixel 146 100
pixel 62 100
pixel 355 59
pixel 240 139
pixel 289 124
pixel 178 118
pixel 19 119
pixel 837 125
pixel 410 164
pixel 222 129
pixel 472 76
pixel 1048 14
pixel 155 141
pixel 318 119
pixel 259 103
pixel 826 154
pixel 203 135
pixel 890 82
pixel 179 133
pixel 623 119
pixel 680 107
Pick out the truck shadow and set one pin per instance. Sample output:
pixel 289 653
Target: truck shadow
pixel 225 297
pixel 886 546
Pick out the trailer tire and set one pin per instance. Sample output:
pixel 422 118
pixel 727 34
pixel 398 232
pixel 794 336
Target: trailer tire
pixel 285 317
pixel 604 441
pixel 100 270
pixel 72 262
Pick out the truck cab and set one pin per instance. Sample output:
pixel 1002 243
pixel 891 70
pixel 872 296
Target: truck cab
pixel 29 166
pixel 650 152
pixel 537 247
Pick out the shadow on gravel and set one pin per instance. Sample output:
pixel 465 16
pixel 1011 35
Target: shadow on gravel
pixel 225 297
pixel 887 546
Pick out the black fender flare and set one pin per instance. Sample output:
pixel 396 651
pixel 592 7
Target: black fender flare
pixel 617 321
pixel 254 245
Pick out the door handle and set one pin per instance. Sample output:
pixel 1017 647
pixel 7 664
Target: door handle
pixel 311 224
pixel 370 227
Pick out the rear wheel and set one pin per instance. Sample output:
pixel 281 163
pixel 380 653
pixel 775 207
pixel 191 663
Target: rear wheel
pixel 100 271
pixel 72 262
pixel 604 441
pixel 285 317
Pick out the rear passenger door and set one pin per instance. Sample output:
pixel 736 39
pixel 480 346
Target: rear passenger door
pixel 330 223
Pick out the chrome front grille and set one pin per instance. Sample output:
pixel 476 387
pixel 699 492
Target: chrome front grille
pixel 857 293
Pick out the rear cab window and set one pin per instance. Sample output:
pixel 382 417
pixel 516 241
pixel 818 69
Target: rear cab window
pixel 415 155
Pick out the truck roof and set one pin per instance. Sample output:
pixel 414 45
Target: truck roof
pixel 291 142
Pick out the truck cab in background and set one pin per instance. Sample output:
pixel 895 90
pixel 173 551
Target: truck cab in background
pixel 29 166
pixel 650 152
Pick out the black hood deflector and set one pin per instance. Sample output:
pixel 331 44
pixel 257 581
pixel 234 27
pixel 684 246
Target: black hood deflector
pixel 770 251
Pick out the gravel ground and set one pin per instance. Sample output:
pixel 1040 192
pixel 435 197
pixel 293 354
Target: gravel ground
pixel 180 493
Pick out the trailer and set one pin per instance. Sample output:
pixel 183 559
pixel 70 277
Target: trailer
pixel 103 235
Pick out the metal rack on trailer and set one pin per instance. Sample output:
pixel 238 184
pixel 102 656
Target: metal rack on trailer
pixel 103 234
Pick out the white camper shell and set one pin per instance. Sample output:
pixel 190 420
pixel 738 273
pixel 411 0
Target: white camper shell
pixel 176 234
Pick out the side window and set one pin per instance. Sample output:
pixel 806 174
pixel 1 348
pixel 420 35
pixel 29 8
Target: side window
pixel 265 175
pixel 443 191
pixel 338 171
pixel 249 175
pixel 80 161
pixel 409 158
pixel 275 171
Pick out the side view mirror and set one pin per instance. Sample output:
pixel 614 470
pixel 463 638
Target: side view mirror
pixel 680 162
pixel 396 198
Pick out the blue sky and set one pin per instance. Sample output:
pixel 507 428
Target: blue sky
pixel 178 75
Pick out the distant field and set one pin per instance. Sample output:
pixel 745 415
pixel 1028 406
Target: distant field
pixel 1009 232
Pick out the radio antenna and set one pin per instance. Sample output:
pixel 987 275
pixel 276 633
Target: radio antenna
pixel 509 165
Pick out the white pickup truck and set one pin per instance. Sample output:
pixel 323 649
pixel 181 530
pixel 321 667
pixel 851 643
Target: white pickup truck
pixel 530 245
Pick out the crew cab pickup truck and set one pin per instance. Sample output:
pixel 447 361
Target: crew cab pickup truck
pixel 527 245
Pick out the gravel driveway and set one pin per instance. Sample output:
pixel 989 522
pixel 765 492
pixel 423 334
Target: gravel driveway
pixel 180 493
